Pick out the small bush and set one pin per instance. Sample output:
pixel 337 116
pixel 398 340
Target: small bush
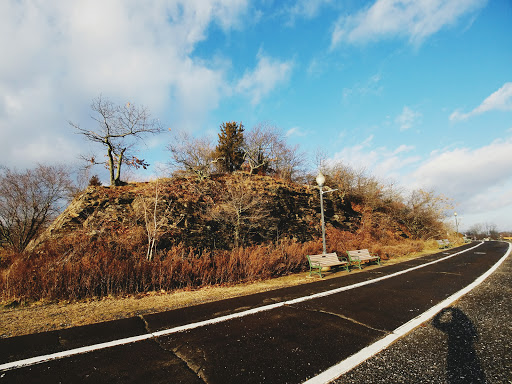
pixel 95 181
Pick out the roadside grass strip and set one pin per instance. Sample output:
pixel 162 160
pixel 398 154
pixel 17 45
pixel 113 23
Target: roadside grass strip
pixel 351 362
pixel 333 371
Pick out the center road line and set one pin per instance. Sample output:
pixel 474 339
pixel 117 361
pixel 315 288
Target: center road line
pixel 134 339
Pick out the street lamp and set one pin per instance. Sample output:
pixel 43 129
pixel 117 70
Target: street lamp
pixel 320 180
pixel 456 222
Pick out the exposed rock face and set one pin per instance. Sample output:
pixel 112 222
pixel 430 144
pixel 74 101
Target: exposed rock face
pixel 185 205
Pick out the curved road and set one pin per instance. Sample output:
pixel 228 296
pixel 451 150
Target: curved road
pixel 314 332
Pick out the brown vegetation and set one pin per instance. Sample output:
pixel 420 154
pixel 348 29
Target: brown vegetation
pixel 189 233
pixel 116 263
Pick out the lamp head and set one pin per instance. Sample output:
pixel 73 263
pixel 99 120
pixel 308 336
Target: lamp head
pixel 320 179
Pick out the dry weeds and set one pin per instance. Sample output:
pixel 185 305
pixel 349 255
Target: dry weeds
pixel 41 316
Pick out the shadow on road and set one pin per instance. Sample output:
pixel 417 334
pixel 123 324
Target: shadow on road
pixel 462 363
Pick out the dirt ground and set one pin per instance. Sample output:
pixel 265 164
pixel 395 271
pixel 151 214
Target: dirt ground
pixel 41 316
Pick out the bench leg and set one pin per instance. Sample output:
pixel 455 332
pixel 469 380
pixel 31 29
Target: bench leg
pixel 319 271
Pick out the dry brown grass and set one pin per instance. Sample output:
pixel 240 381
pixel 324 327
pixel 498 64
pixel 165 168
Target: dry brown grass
pixel 41 316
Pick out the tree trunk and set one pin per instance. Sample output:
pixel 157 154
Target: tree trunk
pixel 117 180
pixel 237 229
pixel 110 163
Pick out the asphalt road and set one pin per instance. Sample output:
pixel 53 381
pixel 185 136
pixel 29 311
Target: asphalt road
pixel 475 348
pixel 294 334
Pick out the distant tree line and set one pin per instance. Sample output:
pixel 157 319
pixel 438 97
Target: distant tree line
pixel 481 231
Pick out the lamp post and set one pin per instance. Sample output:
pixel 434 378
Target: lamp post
pixel 320 180
pixel 456 222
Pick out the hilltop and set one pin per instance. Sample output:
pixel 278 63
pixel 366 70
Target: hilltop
pixel 270 209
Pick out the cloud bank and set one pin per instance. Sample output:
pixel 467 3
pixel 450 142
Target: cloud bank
pixel 478 180
pixel 415 20
pixel 66 53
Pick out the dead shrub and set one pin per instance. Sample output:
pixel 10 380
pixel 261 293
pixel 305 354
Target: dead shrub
pixel 114 262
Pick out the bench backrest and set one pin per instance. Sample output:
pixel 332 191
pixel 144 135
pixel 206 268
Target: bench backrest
pixel 359 253
pixel 326 257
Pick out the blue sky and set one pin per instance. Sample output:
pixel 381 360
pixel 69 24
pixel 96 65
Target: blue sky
pixel 418 93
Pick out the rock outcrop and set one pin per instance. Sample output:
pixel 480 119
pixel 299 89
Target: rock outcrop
pixel 186 207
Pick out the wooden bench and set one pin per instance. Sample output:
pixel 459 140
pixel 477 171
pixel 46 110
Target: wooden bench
pixel 359 255
pixel 325 260
pixel 445 243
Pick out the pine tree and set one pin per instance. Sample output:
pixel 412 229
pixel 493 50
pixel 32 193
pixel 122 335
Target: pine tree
pixel 229 148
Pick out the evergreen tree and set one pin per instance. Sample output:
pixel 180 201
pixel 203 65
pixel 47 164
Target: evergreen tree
pixel 229 148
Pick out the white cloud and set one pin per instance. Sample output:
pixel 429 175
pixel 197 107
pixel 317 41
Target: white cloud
pixel 462 172
pixel 268 74
pixel 306 8
pixel 65 53
pixel 501 100
pixel 316 67
pixel 403 149
pixel 416 20
pixel 295 131
pixel 479 180
pixel 382 162
pixel 407 118
pixel 372 86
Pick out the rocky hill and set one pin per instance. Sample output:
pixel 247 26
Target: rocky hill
pixel 214 213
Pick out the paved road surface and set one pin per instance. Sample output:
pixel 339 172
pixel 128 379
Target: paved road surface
pixel 477 349
pixel 285 339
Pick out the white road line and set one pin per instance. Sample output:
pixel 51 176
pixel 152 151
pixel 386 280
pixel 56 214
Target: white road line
pixel 186 327
pixel 351 362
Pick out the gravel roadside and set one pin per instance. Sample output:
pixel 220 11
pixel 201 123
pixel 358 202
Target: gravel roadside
pixel 471 342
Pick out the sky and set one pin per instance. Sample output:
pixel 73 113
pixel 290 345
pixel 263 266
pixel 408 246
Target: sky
pixel 416 92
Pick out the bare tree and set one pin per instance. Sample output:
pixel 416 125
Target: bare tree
pixel 424 213
pixel 260 147
pixel 119 127
pixel 321 160
pixel 192 155
pixel 29 201
pixel 483 230
pixel 265 148
pixel 158 218
pixel 491 230
pixel 242 208
pixel 290 162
